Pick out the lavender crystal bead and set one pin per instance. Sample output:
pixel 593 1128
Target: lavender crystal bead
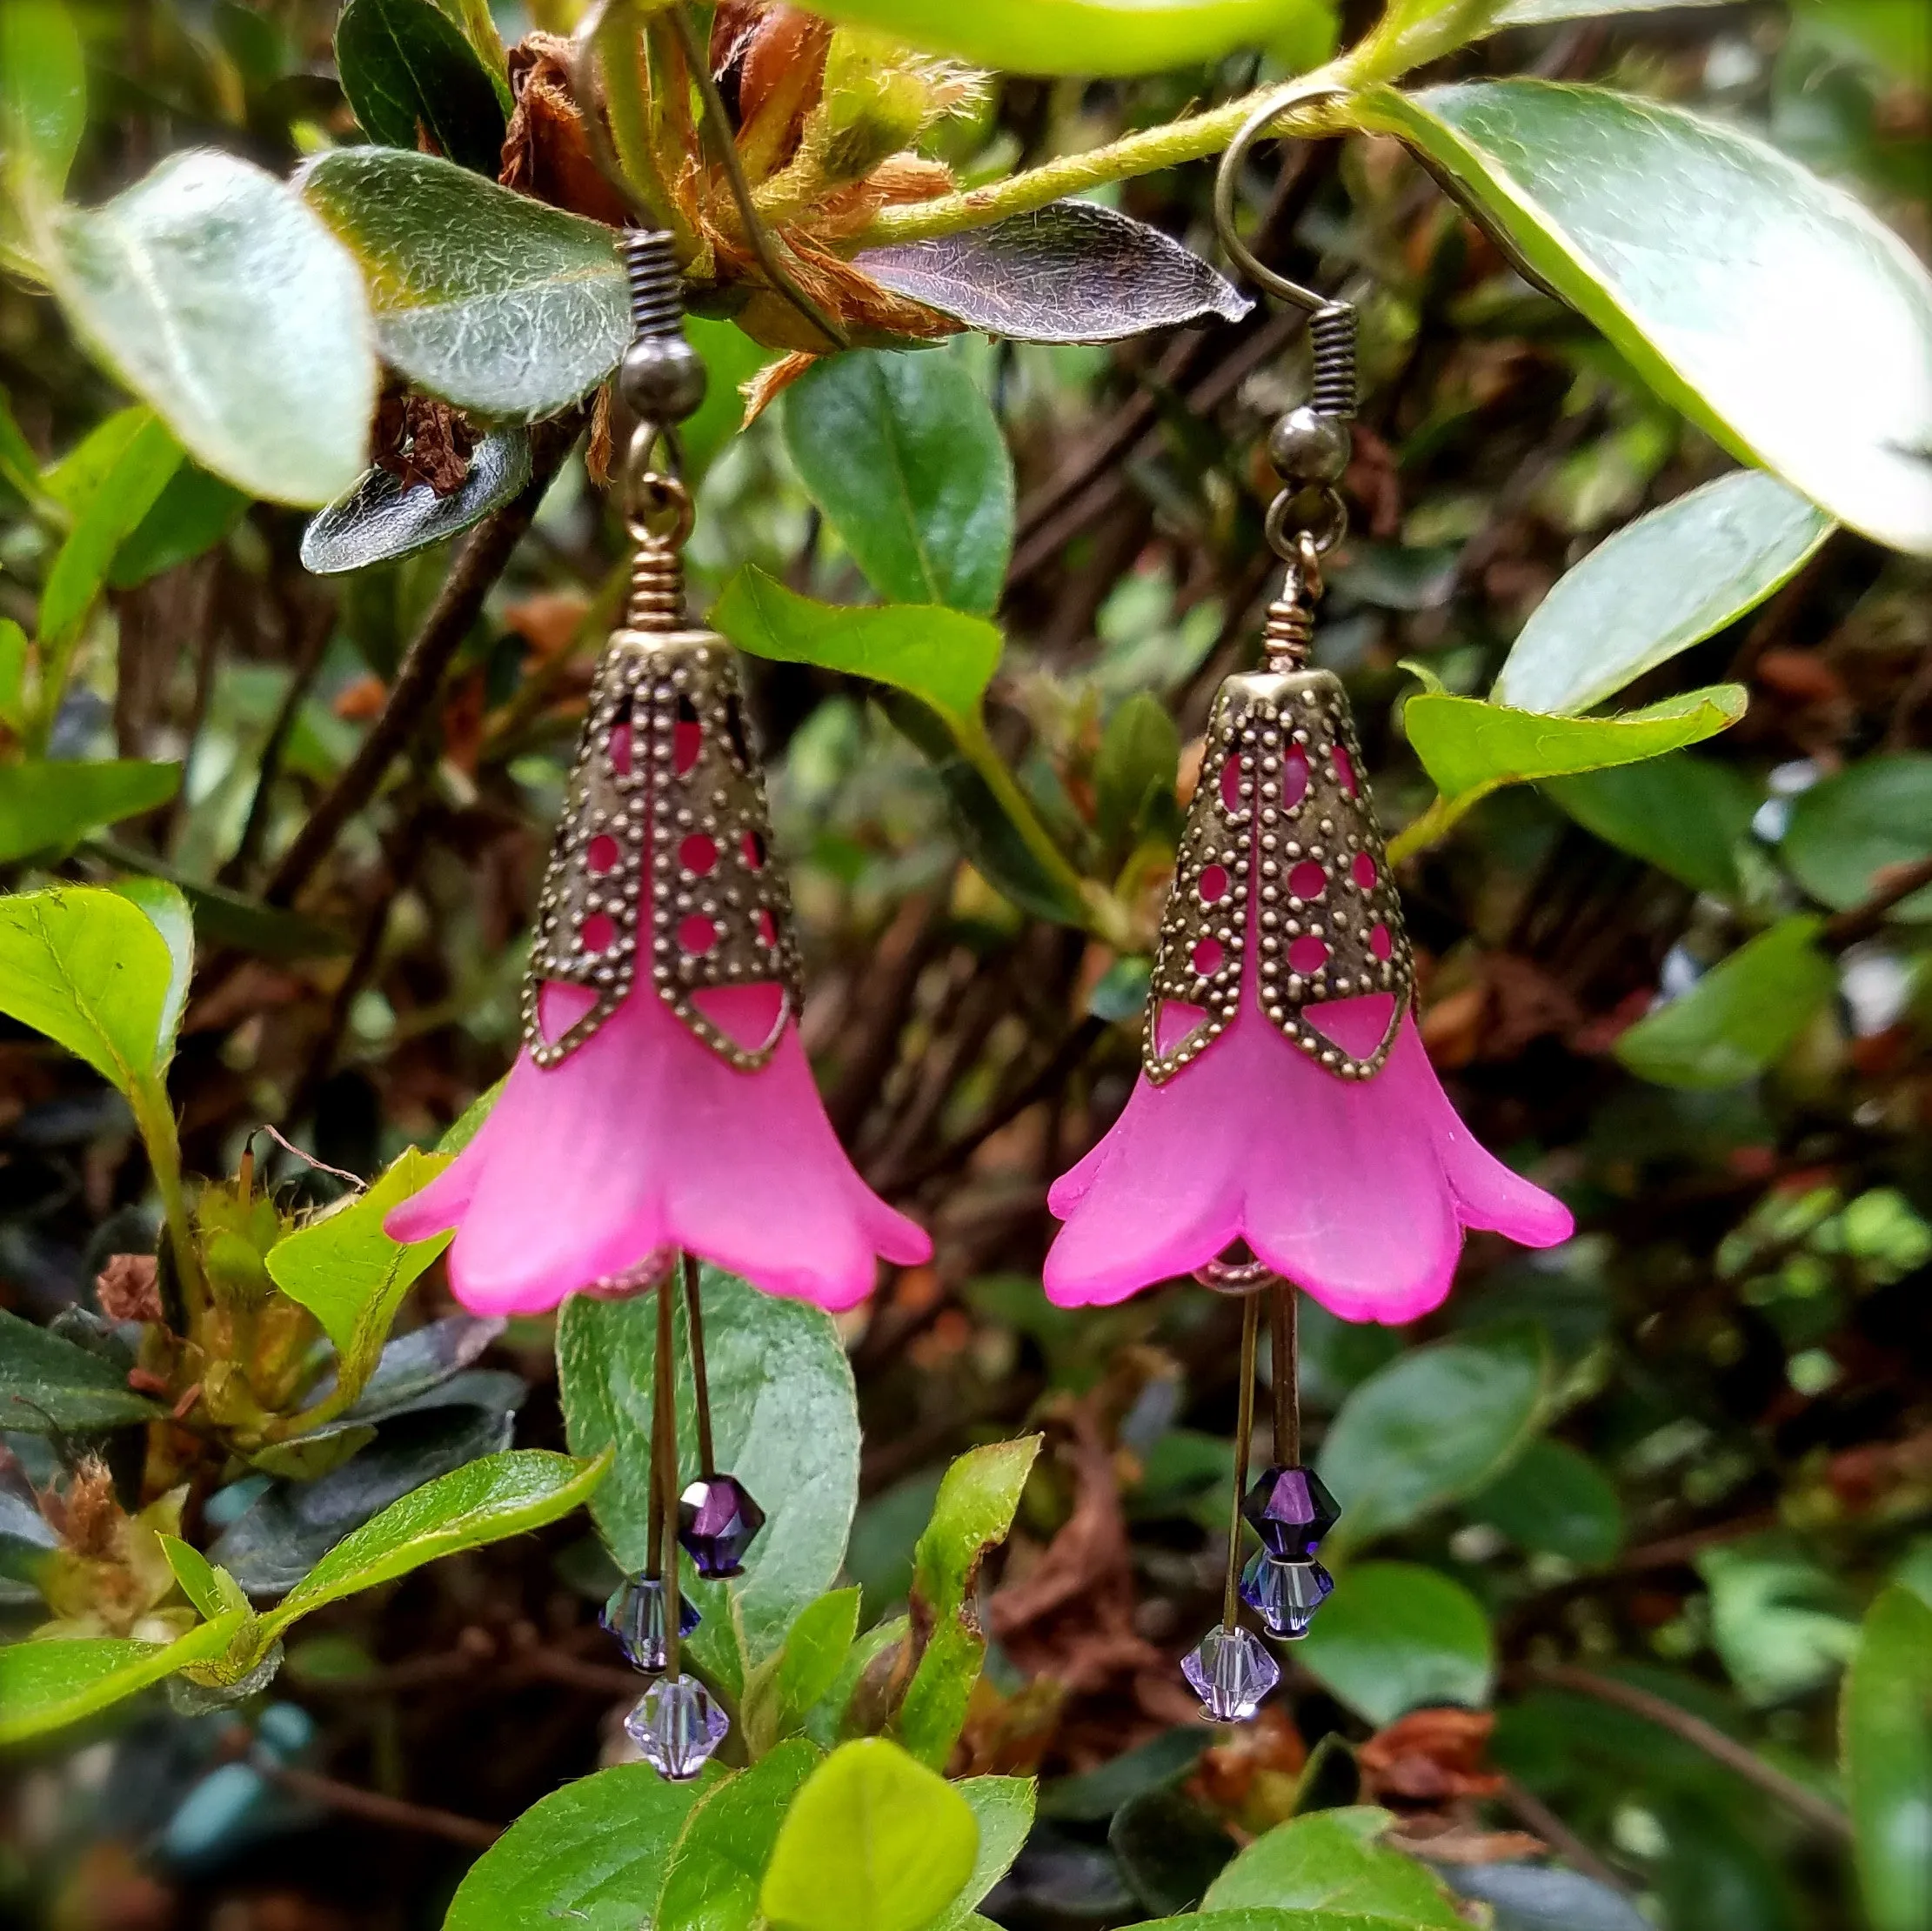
pixel 676 1726
pixel 1285 1594
pixel 635 1615
pixel 716 1520
pixel 1291 1512
pixel 1231 1673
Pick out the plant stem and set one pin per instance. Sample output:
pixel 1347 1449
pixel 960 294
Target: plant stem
pixel 1152 148
pixel 614 47
pixel 154 1118
pixel 1101 915
pixel 1432 827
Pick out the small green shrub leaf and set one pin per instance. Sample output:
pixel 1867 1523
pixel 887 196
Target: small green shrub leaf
pixel 50 1683
pixel 1660 584
pixel 1738 1019
pixel 404 66
pixel 1770 306
pixel 1395 1637
pixel 350 1274
pixel 1847 829
pixel 906 458
pixel 383 519
pixel 48 1384
pixel 43 91
pixel 1554 1500
pixel 1687 816
pixel 874 1841
pixel 1330 1861
pixel 1886 1722
pixel 484 297
pixel 47 806
pixel 712 1882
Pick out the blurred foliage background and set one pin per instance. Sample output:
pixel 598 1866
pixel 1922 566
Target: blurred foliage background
pixel 1729 1432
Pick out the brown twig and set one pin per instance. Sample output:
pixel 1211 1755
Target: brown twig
pixel 478 565
pixel 1700 1735
pixel 1530 1810
pixel 1901 881
pixel 375 1808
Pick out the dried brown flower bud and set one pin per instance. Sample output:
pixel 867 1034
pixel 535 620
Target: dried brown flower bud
pixel 126 1289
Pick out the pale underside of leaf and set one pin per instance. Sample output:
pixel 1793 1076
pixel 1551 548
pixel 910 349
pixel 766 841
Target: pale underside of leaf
pixel 1071 271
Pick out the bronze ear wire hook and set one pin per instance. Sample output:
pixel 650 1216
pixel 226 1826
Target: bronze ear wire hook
pixel 1300 93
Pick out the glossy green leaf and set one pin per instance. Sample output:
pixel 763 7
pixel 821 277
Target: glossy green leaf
pixel 1169 1847
pixel 1660 584
pixel 972 1514
pixel 1003 1807
pixel 1330 1861
pixel 1687 816
pixel 212 1591
pixel 43 91
pixel 591 1856
pixel 46 805
pixel 815 1650
pixel 1885 1723
pixel 905 457
pixel 1436 1425
pixel 405 67
pixel 712 1882
pixel 874 1841
pixel 1847 829
pixel 1396 1637
pixel 194 513
pixel 383 518
pixel 1769 305
pixel 48 1385
pixel 1554 1499
pixel 731 358
pixel 208 251
pixel 941 657
pixel 497 1496
pixel 1076 37
pixel 350 1274
pixel 484 297
pixel 49 1683
pixel 13 676
pixel 90 968
pixel 1470 747
pixel 1737 1020
pixel 783 1417
pixel 1135 769
pixel 130 463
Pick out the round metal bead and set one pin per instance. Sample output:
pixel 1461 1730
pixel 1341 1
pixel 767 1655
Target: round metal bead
pixel 1305 446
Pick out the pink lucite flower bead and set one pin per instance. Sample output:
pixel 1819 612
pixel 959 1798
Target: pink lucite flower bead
pixel 1357 1190
pixel 643 1142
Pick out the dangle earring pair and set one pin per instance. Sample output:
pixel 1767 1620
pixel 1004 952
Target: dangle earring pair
pixel 1287 1133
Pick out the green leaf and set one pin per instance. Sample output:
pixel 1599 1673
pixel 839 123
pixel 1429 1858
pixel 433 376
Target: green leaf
pixel 1470 748
pixel 495 1497
pixel 1433 1426
pixel 484 297
pixel 1770 307
pixel 50 1683
pixel 815 1651
pixel 1076 37
pixel 383 518
pixel 350 1274
pixel 731 358
pixel 943 658
pixel 1740 1017
pixel 905 457
pixel 43 91
pixel 1847 829
pixel 132 459
pixel 1395 1637
pixel 712 1883
pixel 1660 584
pixel 405 67
pixel 212 1591
pixel 1885 1723
pixel 1004 1809
pixel 1265 1918
pixel 1329 1860
pixel 13 676
pixel 1137 766
pixel 590 1856
pixel 1538 13
pixel 194 512
pixel 47 805
pixel 1687 816
pixel 48 1385
pixel 874 1841
pixel 210 251
pixel 90 968
pixel 1554 1499
pixel 972 1514
pixel 785 1420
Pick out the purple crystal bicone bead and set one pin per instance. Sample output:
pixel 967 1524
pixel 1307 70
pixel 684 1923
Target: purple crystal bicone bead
pixel 1291 1512
pixel 635 1615
pixel 1285 1594
pixel 716 1520
pixel 1231 1673
pixel 676 1726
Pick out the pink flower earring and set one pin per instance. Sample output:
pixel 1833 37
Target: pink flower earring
pixel 1288 1129
pixel 662 1110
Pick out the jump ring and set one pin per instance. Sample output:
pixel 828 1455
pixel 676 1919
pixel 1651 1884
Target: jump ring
pixel 1324 535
